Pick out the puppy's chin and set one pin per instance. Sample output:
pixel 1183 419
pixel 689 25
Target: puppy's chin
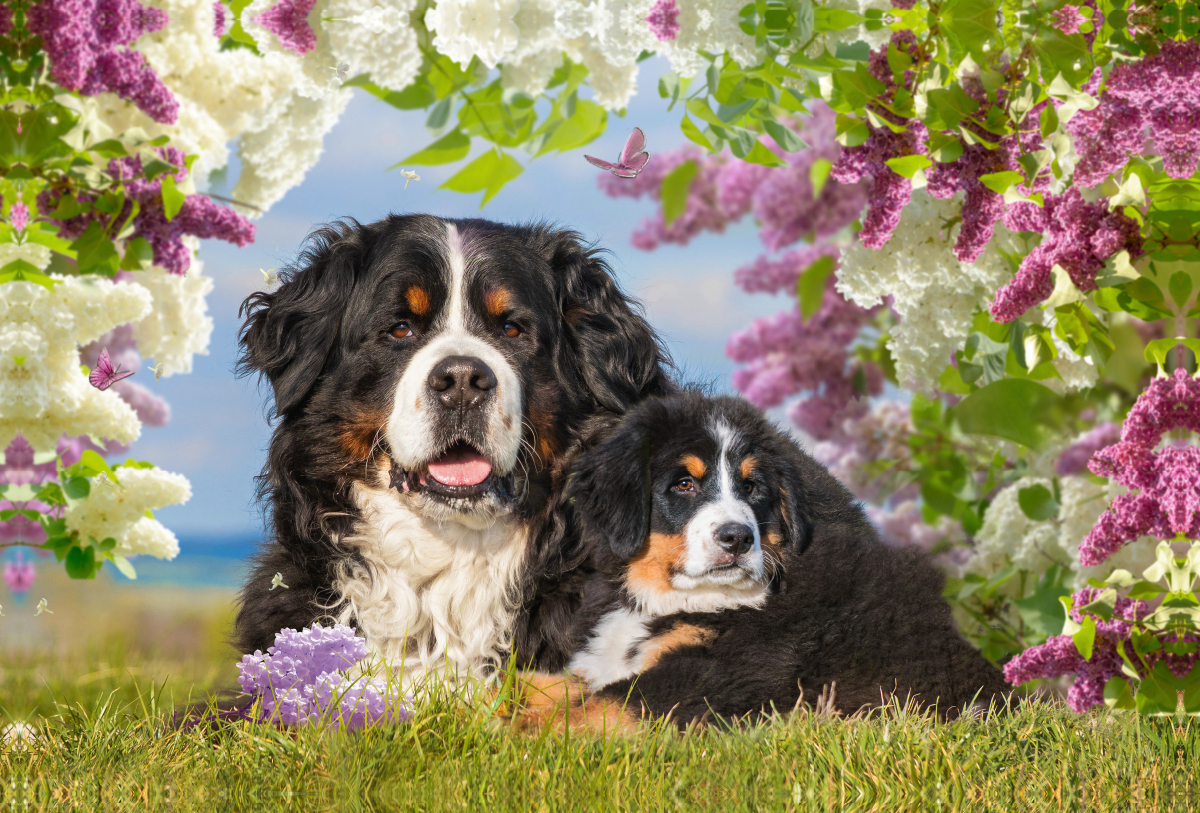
pixel 731 580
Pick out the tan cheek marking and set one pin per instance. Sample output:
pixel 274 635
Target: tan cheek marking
pixel 748 466
pixel 694 465
pixel 678 637
pixel 651 570
pixel 358 435
pixel 496 301
pixel 418 300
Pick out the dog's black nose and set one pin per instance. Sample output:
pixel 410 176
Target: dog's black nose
pixel 462 382
pixel 735 537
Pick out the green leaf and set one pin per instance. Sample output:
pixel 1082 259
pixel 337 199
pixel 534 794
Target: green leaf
pixel 172 198
pixel 970 25
pixel 417 96
pixel 1037 503
pixel 693 133
pixel 851 132
pixel 810 287
pixel 674 190
pixel 1180 286
pixel 945 149
pixel 122 564
pixel 81 563
pixel 92 463
pixel 1157 694
pixel 1156 351
pixel 95 252
pixel 701 110
pixel 139 255
pixel 909 165
pixel 584 126
pixel 487 173
pixel 758 154
pixel 1015 409
pixel 818 175
pixel 785 137
pixel 948 106
pixel 852 90
pixel 1145 590
pixel 1117 694
pixel 1042 611
pixel 77 488
pixel 1085 638
pixel 999 182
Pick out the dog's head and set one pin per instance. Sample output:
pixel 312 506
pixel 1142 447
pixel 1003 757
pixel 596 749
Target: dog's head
pixel 693 502
pixel 455 360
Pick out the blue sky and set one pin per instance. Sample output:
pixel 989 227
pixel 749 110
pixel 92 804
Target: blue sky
pixel 218 433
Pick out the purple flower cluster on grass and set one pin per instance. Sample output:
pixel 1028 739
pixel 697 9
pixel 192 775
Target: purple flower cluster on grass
pixel 1078 236
pixel 302 680
pixel 86 41
pixel 1165 496
pixel 288 20
pixel 199 216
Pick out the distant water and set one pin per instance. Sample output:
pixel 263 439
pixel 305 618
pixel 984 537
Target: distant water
pixel 203 561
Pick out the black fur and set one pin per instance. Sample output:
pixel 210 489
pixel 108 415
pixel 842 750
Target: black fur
pixel 851 609
pixel 320 341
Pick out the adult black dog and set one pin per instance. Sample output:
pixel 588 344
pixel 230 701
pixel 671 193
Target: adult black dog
pixel 733 571
pixel 431 377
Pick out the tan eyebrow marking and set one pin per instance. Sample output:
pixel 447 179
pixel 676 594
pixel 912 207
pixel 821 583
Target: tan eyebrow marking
pixel 694 465
pixel 418 300
pixel 496 301
pixel 748 466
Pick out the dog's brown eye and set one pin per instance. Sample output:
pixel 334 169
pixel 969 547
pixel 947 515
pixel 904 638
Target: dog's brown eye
pixel 747 487
pixel 402 330
pixel 685 485
pixel 511 330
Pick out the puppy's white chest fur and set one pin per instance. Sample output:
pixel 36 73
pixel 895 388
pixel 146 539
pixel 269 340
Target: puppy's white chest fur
pixel 614 652
pixel 433 597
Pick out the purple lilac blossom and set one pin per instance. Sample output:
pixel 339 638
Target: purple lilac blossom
pixel 19 574
pixel 1165 485
pixel 86 41
pixel 1067 19
pixel 1074 459
pixel 1078 236
pixel 288 20
pixel 18 216
pixel 766 275
pixel 663 20
pixel 301 680
pixel 220 21
pixel 890 192
pixel 6 20
pixel 199 216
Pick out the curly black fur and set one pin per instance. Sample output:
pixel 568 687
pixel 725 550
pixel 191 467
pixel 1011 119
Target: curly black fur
pixel 316 341
pixel 849 608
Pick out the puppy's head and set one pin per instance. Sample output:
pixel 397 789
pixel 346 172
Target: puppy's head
pixel 451 360
pixel 693 502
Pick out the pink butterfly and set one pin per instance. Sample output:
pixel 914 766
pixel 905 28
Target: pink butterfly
pixel 104 376
pixel 633 158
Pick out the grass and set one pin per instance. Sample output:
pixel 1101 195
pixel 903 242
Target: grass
pixel 98 704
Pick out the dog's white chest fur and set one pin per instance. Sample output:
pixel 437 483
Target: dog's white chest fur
pixel 614 652
pixel 434 597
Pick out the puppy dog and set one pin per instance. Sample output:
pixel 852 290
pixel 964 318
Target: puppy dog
pixel 431 379
pixel 732 571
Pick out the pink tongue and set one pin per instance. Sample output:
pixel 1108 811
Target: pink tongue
pixel 460 467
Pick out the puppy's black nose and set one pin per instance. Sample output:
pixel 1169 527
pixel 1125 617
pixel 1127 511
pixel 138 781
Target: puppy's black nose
pixel 462 382
pixel 735 537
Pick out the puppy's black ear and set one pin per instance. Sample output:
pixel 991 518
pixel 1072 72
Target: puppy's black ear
pixel 610 487
pixel 609 344
pixel 291 336
pixel 797 524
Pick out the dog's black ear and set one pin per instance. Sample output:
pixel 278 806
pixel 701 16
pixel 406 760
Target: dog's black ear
pixel 290 336
pixel 610 488
pixel 609 344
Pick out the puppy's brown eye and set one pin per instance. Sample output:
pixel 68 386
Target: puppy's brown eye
pixel 402 330
pixel 687 484
pixel 747 487
pixel 511 330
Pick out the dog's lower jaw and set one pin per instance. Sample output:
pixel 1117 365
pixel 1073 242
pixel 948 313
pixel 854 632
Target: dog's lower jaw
pixel 431 596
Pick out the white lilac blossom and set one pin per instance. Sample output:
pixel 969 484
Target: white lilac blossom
pixel 118 510
pixel 43 392
pixel 314 675
pixel 178 326
pixel 1009 537
pixel 935 295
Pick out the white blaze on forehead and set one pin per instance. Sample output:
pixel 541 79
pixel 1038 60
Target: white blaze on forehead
pixel 412 429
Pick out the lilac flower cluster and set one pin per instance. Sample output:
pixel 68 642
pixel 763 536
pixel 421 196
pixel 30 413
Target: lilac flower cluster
pixel 1075 457
pixel 766 275
pixel 199 216
pixel 19 574
pixel 19 469
pixel 220 21
pixel 1067 19
pixel 86 41
pixel 1160 93
pixel 302 680
pixel 1078 236
pixel 122 351
pixel 6 19
pixel 663 20
pixel 890 192
pixel 288 20
pixel 1167 482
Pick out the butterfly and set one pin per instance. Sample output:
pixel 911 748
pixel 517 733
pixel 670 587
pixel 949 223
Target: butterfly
pixel 341 69
pixel 104 376
pixel 157 369
pixel 270 275
pixel 633 158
